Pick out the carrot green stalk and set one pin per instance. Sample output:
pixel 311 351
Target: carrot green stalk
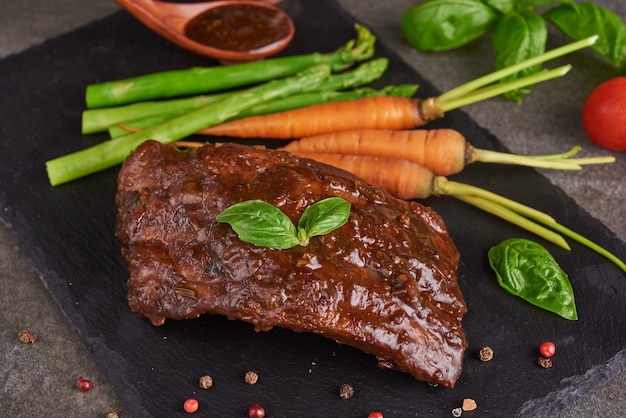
pixel 515 218
pixel 295 101
pixel 448 103
pixel 200 80
pixel 487 156
pixel 589 244
pixel 100 119
pixel 110 153
pixel 565 157
pixel 560 156
pixel 407 180
pixel 496 76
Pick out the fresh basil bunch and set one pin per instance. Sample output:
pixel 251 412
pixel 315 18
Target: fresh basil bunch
pixel 519 29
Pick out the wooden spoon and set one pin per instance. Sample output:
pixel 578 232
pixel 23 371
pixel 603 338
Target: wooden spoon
pixel 171 20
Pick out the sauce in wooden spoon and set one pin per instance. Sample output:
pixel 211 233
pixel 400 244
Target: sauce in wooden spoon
pixel 230 31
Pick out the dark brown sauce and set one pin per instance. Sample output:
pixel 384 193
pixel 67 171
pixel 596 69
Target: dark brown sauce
pixel 238 27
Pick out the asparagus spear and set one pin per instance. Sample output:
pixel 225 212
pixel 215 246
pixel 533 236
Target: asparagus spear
pixel 208 79
pixel 100 119
pixel 110 153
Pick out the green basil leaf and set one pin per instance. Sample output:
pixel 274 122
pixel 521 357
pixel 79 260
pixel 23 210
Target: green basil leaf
pixel 438 25
pixel 526 269
pixel 503 6
pixel 323 217
pixel 516 38
pixel 261 224
pixel 587 19
pixel 530 4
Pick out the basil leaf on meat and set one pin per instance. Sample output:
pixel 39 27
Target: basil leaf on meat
pixel 323 217
pixel 261 224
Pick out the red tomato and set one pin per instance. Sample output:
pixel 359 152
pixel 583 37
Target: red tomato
pixel 604 114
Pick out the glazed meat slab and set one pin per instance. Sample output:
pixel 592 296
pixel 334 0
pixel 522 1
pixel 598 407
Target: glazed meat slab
pixel 385 282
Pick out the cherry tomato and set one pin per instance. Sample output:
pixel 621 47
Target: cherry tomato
pixel 604 114
pixel 191 405
pixel 83 384
pixel 547 349
pixel 375 414
pixel 256 411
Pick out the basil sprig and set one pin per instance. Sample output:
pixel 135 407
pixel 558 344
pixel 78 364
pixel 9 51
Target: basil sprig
pixel 519 30
pixel 526 269
pixel 578 20
pixel 264 225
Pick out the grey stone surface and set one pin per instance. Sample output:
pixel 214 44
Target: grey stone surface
pixel 37 379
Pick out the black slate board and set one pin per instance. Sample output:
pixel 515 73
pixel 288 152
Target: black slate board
pixel 68 234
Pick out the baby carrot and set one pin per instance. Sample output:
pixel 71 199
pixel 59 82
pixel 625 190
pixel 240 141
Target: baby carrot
pixel 408 180
pixel 443 151
pixel 386 113
pixel 403 179
pixel 381 112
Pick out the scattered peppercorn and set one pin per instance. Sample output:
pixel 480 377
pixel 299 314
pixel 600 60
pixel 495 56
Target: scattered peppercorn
pixel 375 414
pixel 205 381
pixel 457 412
pixel 547 349
pixel 485 353
pixel 544 362
pixel 256 411
pixel 83 384
pixel 346 391
pixel 191 405
pixel 468 404
pixel 27 336
pixel 111 415
pixel 251 377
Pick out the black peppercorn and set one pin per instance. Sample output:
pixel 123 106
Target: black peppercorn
pixel 346 391
pixel 544 362
pixel 27 336
pixel 485 353
pixel 251 378
pixel 205 381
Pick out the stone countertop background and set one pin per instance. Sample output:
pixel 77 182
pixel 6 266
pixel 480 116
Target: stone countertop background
pixel 37 380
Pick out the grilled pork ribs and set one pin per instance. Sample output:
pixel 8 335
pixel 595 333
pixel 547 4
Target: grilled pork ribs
pixel 385 282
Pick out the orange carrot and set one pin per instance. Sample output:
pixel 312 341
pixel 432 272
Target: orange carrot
pixel 403 179
pixel 379 112
pixel 444 151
